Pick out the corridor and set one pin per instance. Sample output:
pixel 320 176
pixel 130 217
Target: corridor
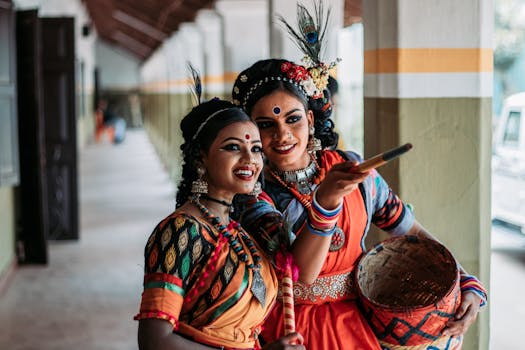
pixel 86 297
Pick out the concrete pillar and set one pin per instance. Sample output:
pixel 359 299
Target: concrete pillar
pixel 154 86
pixel 210 26
pixel 246 35
pixel 428 80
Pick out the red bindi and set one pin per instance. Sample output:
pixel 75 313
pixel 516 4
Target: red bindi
pixel 247 136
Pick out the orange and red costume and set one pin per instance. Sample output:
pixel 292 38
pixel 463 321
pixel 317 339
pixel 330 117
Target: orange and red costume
pixel 210 305
pixel 326 311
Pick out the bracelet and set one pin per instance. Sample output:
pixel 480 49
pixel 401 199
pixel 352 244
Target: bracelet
pixel 328 213
pixel 319 232
pixel 469 283
pixel 321 219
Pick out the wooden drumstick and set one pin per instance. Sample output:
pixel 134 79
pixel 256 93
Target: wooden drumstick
pixel 383 158
pixel 288 304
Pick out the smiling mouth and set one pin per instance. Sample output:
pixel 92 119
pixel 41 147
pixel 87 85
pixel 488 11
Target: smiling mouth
pixel 244 174
pixel 284 149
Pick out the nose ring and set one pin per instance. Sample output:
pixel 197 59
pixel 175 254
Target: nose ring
pixel 289 135
pixel 274 136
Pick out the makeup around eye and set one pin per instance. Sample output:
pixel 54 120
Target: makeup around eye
pixel 231 147
pixel 237 147
pixel 293 119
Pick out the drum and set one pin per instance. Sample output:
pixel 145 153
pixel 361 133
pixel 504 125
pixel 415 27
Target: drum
pixel 408 289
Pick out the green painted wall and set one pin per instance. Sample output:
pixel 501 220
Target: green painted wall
pixel 86 122
pixel 162 115
pixel 450 187
pixel 7 228
pixel 446 176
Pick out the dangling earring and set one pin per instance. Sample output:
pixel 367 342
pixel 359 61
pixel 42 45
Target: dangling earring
pixel 199 186
pixel 257 189
pixel 314 144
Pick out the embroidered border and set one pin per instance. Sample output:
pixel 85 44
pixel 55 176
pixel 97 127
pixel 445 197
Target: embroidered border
pixel 323 289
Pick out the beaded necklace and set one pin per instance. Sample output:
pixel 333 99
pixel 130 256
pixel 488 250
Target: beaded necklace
pixel 258 287
pixel 304 198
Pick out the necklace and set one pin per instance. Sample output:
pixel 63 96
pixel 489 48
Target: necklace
pixel 258 287
pixel 302 178
pixel 220 201
pixel 303 192
pixel 338 238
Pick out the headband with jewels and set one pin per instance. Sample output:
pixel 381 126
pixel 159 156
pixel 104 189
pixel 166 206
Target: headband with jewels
pixel 197 89
pixel 311 77
pixel 264 71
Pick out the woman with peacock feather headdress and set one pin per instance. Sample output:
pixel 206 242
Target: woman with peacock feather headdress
pixel 328 204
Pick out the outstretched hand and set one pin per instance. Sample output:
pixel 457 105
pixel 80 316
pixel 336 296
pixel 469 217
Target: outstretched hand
pixel 293 341
pixel 339 181
pixel 465 316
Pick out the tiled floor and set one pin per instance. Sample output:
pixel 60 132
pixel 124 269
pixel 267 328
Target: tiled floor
pixel 86 297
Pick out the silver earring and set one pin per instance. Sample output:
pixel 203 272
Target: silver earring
pixel 199 186
pixel 257 189
pixel 314 144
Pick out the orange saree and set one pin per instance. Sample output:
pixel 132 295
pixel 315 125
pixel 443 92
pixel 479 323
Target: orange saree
pixel 210 305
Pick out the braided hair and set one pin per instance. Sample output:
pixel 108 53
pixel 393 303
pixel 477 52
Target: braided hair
pixel 199 128
pixel 265 77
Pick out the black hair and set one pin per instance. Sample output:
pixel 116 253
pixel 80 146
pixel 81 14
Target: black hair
pixel 199 132
pixel 333 85
pixel 265 77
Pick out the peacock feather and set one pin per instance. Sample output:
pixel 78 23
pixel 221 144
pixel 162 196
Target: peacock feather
pixel 309 36
pixel 196 87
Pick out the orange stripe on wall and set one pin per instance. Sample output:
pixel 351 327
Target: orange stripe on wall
pixel 229 77
pixel 430 60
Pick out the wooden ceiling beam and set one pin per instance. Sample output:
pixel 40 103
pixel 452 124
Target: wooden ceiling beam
pixel 131 43
pixel 141 26
pixel 353 12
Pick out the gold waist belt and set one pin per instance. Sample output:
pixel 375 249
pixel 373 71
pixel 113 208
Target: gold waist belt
pixel 324 289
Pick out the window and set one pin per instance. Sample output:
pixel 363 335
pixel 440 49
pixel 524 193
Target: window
pixel 511 136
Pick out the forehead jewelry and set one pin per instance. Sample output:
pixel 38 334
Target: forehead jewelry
pixel 276 110
pixel 247 136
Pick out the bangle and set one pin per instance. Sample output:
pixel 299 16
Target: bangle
pixel 321 219
pixel 320 232
pixel 325 212
pixel 469 283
